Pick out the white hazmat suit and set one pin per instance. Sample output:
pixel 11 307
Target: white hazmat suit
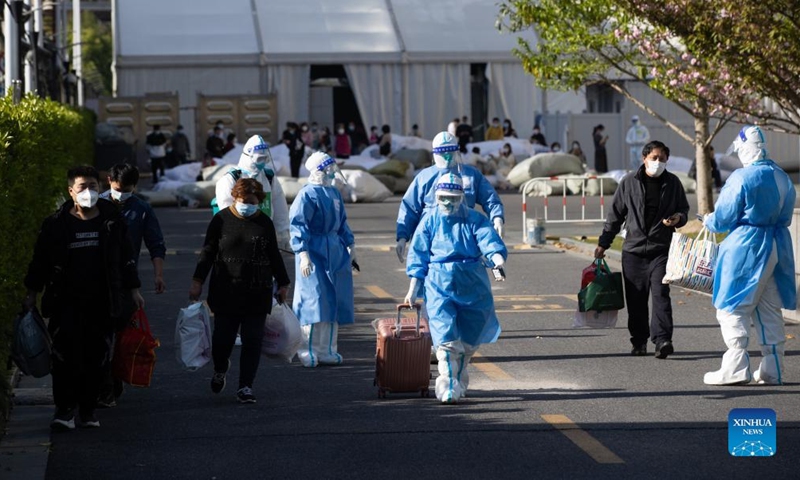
pixel 754 275
pixel 637 137
pixel 256 162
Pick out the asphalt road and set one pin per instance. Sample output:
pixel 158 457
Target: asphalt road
pixel 546 400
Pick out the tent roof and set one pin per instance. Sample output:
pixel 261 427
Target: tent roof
pixel 309 31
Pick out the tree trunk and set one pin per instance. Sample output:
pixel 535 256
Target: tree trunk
pixel 705 199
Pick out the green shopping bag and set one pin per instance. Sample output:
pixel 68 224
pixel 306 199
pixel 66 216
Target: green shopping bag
pixel 603 293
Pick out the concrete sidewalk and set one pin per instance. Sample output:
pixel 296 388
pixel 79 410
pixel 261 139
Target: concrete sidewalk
pixel 26 445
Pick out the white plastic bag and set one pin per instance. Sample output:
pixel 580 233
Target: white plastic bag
pixel 282 336
pixel 592 319
pixel 193 336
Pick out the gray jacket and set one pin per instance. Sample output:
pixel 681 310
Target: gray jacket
pixel 628 208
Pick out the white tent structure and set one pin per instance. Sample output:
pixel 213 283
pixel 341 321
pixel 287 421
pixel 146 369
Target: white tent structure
pixel 407 61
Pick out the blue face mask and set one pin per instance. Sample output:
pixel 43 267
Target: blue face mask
pixel 246 209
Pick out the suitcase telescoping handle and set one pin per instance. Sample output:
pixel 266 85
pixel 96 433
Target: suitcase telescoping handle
pixel 400 308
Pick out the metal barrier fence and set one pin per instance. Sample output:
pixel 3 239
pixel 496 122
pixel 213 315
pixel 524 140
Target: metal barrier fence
pixel 546 182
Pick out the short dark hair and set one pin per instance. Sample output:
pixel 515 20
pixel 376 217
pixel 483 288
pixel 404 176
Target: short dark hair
pixel 476 150
pixel 655 144
pixel 248 186
pixel 125 174
pixel 84 171
pixel 385 129
pixel 231 136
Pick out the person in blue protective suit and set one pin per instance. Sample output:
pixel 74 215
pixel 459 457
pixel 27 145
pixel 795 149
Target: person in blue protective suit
pixel 448 252
pixel 324 251
pixel 419 197
pixel 754 275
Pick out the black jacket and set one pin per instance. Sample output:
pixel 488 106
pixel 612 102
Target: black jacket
pixel 628 208
pixel 51 255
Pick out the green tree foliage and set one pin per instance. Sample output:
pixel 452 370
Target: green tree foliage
pixel 39 140
pixel 97 51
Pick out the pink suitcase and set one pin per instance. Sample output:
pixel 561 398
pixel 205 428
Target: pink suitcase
pixel 403 356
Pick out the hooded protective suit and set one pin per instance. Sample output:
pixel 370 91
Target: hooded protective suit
pixel 638 136
pixel 323 244
pixel 755 273
pixel 448 252
pixel 419 198
pixel 255 162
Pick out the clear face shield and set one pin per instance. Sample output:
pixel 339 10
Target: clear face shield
pixel 448 200
pixel 263 162
pixel 446 156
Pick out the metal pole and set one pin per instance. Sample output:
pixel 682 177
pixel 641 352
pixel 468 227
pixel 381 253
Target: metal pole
pixel 11 53
pixel 76 48
pixel 28 63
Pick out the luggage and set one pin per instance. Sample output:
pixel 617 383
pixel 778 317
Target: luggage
pixel 31 345
pixel 403 356
pixel 135 352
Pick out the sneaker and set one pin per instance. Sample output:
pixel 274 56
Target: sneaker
pixel 63 420
pixel 218 380
pixel 107 401
pixel 88 420
pixel 664 349
pixel 639 351
pixel 245 395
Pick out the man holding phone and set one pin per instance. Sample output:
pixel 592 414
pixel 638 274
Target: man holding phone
pixel 651 203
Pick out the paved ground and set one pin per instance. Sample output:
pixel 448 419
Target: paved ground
pixel 546 401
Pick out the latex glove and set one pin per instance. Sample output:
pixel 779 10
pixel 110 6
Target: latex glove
pixel 413 291
pixel 284 243
pixel 352 250
pixel 498 260
pixel 498 227
pixel 306 267
pixel 401 250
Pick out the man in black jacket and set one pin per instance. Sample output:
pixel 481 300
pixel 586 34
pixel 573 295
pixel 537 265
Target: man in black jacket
pixel 84 262
pixel 652 204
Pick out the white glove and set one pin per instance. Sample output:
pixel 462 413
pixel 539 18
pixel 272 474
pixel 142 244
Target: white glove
pixel 497 260
pixel 283 240
pixel 498 227
pixel 401 250
pixel 413 289
pixel 352 250
pixel 305 264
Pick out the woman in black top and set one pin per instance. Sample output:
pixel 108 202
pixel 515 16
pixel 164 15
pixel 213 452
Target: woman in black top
pixel 600 159
pixel 241 252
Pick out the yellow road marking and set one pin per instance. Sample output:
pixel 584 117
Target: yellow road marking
pixel 489 369
pixel 582 439
pixel 378 291
pixel 381 249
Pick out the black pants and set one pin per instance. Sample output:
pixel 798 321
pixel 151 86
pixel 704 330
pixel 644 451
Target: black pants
pixel 81 345
pixel 295 159
pixel 642 276
pixel 156 165
pixel 225 329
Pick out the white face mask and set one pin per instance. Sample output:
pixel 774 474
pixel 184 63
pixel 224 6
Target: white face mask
pixel 120 196
pixel 87 198
pixel 246 209
pixel 654 168
pixel 340 131
pixel 556 149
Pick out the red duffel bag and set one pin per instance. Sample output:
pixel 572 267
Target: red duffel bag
pixel 135 352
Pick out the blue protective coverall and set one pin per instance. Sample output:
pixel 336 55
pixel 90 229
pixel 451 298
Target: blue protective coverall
pixel 420 196
pixel 754 275
pixel 755 206
pixel 447 252
pixel 318 225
